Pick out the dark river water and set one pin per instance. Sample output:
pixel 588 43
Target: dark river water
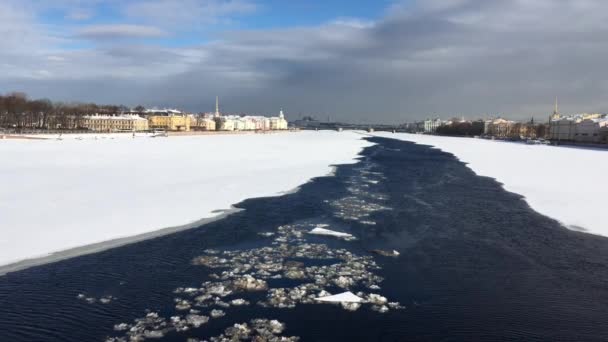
pixel 475 264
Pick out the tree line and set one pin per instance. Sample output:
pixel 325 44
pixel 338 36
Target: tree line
pixel 17 111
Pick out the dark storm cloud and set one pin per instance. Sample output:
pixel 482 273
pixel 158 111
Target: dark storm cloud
pixel 445 58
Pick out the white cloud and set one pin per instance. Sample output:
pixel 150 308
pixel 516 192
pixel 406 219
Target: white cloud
pixel 120 31
pixel 465 57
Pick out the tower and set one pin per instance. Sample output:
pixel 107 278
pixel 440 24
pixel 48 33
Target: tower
pixel 281 116
pixel 555 111
pixel 217 107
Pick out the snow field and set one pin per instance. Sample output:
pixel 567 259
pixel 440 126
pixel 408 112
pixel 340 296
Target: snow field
pixel 61 194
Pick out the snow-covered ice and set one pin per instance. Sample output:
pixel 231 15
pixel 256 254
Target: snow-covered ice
pixel 328 232
pixel 62 194
pixel 565 183
pixel 345 297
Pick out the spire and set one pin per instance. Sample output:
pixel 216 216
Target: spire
pixel 217 106
pixel 555 111
pixel 281 114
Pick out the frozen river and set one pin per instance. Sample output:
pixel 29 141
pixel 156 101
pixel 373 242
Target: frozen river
pixel 106 190
pixel 432 250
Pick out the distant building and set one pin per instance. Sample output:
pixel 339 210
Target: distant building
pixel 562 129
pixel 169 122
pixel 431 125
pixel 115 123
pixel 590 131
pixel 582 128
pixel 501 128
pixel 278 123
pixel 202 123
pixel 224 123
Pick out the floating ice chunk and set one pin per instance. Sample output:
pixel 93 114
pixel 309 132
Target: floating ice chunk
pixel 182 305
pixel 294 273
pixel 121 327
pixel 197 320
pixel 238 331
pixel 392 253
pixel 343 282
pixel 380 308
pixel 395 305
pixel 152 315
pixel 249 283
pixel 377 299
pixel 350 306
pixel 217 313
pixel 328 232
pixel 153 334
pixel 345 297
pixel 239 302
pixel 266 234
pixel 367 222
pixel 106 299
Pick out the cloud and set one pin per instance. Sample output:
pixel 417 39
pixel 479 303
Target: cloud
pixel 120 31
pixel 422 58
pixel 187 12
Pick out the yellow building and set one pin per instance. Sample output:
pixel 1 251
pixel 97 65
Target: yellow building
pixel 201 123
pixel 169 122
pixel 108 123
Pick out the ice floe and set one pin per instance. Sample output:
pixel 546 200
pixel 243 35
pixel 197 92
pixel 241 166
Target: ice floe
pixel 315 268
pixel 258 329
pixel 344 297
pixel 328 232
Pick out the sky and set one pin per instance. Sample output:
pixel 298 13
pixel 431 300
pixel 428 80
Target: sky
pixel 377 61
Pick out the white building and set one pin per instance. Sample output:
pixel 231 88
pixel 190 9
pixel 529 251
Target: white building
pixel 431 125
pixel 590 131
pixel 225 123
pixel 278 122
pixel 563 128
pixel 500 128
pixel 584 128
pixel 248 122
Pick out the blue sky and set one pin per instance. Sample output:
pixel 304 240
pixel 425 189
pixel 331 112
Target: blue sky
pixel 262 15
pixel 360 61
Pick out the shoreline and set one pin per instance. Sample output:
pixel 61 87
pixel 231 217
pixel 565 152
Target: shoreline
pixel 59 254
pixel 75 135
pixel 575 215
pixel 110 244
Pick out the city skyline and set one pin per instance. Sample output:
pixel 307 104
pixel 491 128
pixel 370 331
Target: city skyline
pixel 379 61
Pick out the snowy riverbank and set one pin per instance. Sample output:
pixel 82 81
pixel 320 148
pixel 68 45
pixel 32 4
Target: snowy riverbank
pixel 567 184
pixel 63 194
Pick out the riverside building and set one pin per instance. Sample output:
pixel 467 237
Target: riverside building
pixel 580 128
pixel 110 123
